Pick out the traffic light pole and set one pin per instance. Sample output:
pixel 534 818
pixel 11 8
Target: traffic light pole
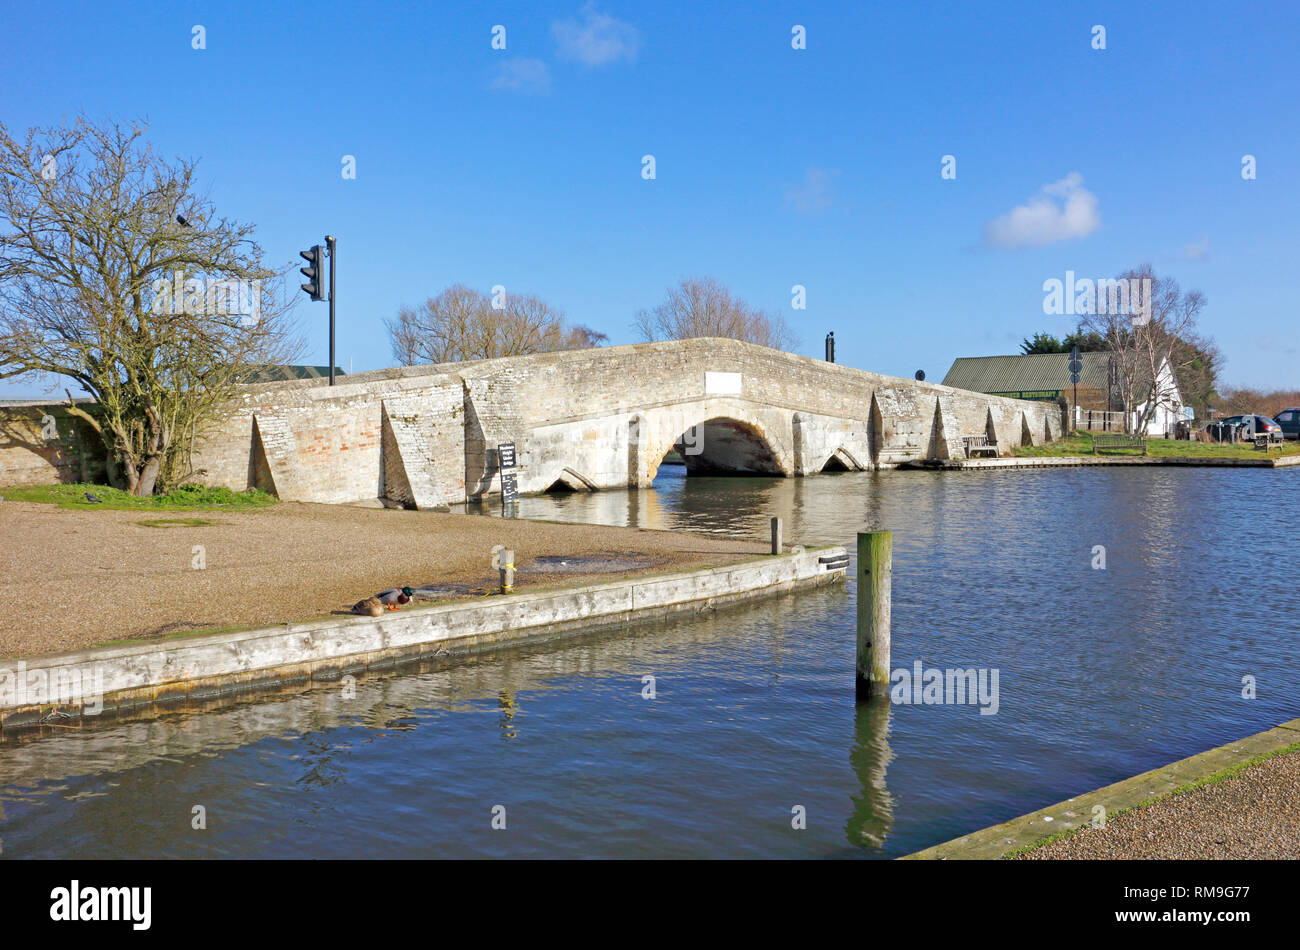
pixel 314 272
pixel 330 242
pixel 1076 366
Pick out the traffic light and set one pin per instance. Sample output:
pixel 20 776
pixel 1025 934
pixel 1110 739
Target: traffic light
pixel 314 272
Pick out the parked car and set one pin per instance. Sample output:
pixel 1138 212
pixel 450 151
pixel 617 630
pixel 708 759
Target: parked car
pixel 1248 427
pixel 1267 425
pixel 1289 420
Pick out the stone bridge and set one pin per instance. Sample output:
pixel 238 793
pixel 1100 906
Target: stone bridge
pixel 426 436
pixel 594 419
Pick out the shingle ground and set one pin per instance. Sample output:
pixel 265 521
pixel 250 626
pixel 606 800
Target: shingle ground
pixel 1253 814
pixel 73 578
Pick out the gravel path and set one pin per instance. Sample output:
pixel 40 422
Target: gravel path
pixel 71 578
pixel 1254 814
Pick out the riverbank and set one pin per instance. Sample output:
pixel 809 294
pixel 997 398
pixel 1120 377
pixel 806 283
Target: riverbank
pixel 1251 811
pixel 107 682
pixel 1089 461
pixel 72 579
pixel 1081 443
pixel 1077 450
pixel 1236 801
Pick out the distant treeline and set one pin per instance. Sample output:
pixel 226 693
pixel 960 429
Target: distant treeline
pixel 1237 400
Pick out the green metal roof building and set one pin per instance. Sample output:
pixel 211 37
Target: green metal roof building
pixel 1038 376
pixel 1047 376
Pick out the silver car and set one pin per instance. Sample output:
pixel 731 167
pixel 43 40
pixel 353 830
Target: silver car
pixel 1249 427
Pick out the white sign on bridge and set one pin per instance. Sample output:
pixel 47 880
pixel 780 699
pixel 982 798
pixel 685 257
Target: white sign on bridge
pixel 721 384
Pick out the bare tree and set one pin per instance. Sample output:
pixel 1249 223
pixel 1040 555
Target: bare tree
pixel 447 328
pixel 1152 339
pixel 1240 400
pixel 584 338
pixel 116 276
pixel 527 324
pixel 463 324
pixel 701 306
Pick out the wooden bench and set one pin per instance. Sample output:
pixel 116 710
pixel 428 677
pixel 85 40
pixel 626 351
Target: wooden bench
pixel 1111 443
pixel 979 445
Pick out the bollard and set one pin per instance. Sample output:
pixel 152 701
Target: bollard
pixel 504 562
pixel 507 571
pixel 776 535
pixel 875 574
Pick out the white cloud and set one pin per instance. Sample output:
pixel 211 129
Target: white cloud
pixel 598 40
pixel 813 193
pixel 1060 211
pixel 1198 251
pixel 523 75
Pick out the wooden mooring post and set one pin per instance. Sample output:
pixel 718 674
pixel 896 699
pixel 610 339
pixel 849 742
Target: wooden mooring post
pixel 875 575
pixel 776 535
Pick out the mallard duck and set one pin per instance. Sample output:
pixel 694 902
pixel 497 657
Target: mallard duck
pixel 370 607
pixel 395 597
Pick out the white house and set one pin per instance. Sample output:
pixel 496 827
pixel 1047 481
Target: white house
pixel 1169 408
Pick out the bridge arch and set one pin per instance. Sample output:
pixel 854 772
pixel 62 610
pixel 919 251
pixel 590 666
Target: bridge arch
pixel 570 480
pixel 842 460
pixel 715 440
pixel 726 446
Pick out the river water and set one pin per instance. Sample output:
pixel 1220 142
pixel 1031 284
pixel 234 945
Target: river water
pixel 752 728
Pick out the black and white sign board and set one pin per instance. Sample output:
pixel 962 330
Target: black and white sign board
pixel 509 488
pixel 509 478
pixel 506 456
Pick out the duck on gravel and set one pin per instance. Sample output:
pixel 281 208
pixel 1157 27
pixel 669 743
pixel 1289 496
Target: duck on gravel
pixel 370 607
pixel 395 597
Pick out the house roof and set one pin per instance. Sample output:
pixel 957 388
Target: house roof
pixel 1037 373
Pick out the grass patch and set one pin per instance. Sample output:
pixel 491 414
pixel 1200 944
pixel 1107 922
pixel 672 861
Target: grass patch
pixel 1221 776
pixel 1080 443
pixel 185 498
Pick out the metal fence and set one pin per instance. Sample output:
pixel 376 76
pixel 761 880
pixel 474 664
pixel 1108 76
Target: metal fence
pixel 1226 432
pixel 1098 420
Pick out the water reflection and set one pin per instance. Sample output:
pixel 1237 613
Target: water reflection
pixel 873 807
pixel 727 682
pixel 507 703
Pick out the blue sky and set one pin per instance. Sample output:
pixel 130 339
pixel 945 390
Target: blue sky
pixel 774 166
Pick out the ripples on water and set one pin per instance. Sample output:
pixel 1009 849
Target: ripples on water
pixel 1102 674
